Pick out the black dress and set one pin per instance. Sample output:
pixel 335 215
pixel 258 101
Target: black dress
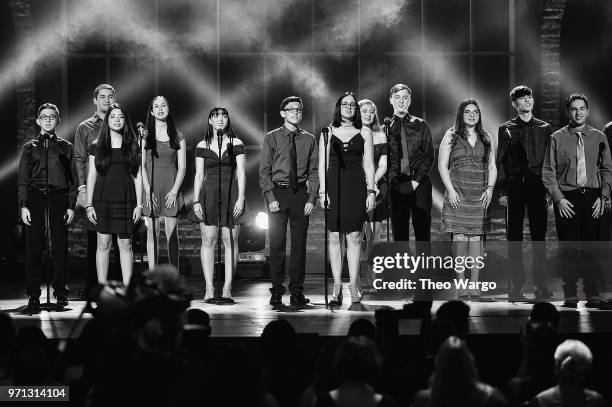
pixel 379 213
pixel 114 197
pixel 347 187
pixel 209 192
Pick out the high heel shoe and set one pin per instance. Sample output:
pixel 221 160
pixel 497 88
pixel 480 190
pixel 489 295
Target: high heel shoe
pixel 355 294
pixel 336 298
pixel 227 296
pixel 209 296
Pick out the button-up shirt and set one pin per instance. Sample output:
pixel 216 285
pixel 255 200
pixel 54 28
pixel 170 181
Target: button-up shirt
pixel 559 170
pixel 419 143
pixel 521 150
pixel 608 132
pixel 60 161
pixel 86 132
pixel 274 165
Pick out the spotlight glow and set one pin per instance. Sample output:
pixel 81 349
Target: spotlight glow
pixel 261 220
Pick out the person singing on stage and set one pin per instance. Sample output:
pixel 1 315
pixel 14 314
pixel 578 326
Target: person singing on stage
pixel 288 177
pixel 164 161
pixel 206 193
pixel 47 161
pixel 351 191
pixel 369 119
pixel 466 162
pixel 114 189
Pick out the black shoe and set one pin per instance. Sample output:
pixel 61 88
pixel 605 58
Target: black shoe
pixel 62 301
pixel 298 299
pixel 276 299
pixel 517 296
pixel 570 304
pixel 594 303
pixel 33 305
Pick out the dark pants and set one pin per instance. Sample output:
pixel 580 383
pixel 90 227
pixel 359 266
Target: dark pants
pixel 292 209
pixel 36 243
pixel 416 205
pixel 578 237
pixel 531 195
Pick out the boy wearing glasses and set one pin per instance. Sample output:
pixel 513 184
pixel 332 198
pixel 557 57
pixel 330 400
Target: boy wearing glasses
pixel 411 158
pixel 47 172
pixel 521 149
pixel 289 181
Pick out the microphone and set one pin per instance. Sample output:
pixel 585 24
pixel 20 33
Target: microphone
pixel 387 124
pixel 325 132
pixel 387 121
pixel 220 138
pixel 141 130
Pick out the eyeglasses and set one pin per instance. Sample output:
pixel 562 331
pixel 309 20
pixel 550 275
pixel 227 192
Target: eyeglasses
pixel 294 110
pixel 45 117
pixel 347 104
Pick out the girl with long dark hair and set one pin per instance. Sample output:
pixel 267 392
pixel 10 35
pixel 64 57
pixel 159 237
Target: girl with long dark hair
pixel 351 191
pixel 163 156
pixel 206 194
pixel 114 189
pixel 466 162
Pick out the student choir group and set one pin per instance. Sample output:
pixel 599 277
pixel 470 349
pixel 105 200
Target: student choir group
pixel 118 178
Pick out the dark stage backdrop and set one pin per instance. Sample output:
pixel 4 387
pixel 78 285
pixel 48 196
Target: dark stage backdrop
pixel 248 55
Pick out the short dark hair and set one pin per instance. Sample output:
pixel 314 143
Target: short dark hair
pixel 358 360
pixel 400 86
pixel 103 86
pixel 290 99
pixel 520 91
pixel 575 96
pixel 48 106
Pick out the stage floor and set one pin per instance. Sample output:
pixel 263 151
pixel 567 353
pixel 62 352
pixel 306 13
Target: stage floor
pixel 251 312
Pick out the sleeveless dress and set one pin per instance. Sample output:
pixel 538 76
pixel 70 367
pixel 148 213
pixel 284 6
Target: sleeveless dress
pixel 209 192
pixel 379 213
pixel 114 197
pixel 164 175
pixel 469 174
pixel 346 185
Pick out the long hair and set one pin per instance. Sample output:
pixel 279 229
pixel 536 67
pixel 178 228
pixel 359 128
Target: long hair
pixel 459 129
pixel 228 130
pixel 129 147
pixel 337 118
pixel 455 376
pixel 375 127
pixel 151 143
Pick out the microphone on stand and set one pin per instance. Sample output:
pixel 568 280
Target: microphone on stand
pixel 141 130
pixel 220 138
pixel 387 123
pixel 325 132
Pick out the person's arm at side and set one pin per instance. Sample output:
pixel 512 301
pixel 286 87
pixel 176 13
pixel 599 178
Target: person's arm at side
pixel 549 178
pixel 181 160
pixel 502 146
pixel 265 174
pixel 381 166
pixel 241 178
pixel 368 167
pixel 313 178
pixel 91 183
pixel 72 181
pixel 428 160
pixel 146 187
pixel 322 171
pixel 81 157
pixel 443 157
pixel 198 179
pixel 137 213
pixel 487 194
pixel 23 183
pixel 605 171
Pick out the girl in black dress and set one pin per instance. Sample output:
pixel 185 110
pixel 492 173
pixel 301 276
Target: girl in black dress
pixel 114 189
pixel 206 193
pixel 351 191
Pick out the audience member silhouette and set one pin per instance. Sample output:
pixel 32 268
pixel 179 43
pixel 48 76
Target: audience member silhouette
pixel 458 313
pixel 363 327
pixel 7 342
pixel 324 377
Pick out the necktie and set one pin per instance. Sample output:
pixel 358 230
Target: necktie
pixel 581 175
pixel 405 163
pixel 293 182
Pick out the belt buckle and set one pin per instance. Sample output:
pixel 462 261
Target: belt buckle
pixel 582 190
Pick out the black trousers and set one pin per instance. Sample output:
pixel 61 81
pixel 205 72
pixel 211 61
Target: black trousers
pixel 578 237
pixel 292 210
pixel 416 205
pixel 36 243
pixel 527 194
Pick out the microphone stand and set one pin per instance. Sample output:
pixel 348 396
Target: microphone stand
pixel 47 252
pixel 325 132
pixel 387 181
pixel 141 231
pixel 153 216
pixel 217 296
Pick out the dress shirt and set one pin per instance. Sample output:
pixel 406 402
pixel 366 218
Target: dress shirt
pixel 419 143
pixel 559 170
pixel 62 173
pixel 608 132
pixel 86 132
pixel 275 163
pixel 521 150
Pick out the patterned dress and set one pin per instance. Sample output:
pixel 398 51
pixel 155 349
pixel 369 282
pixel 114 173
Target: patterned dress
pixel 469 173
